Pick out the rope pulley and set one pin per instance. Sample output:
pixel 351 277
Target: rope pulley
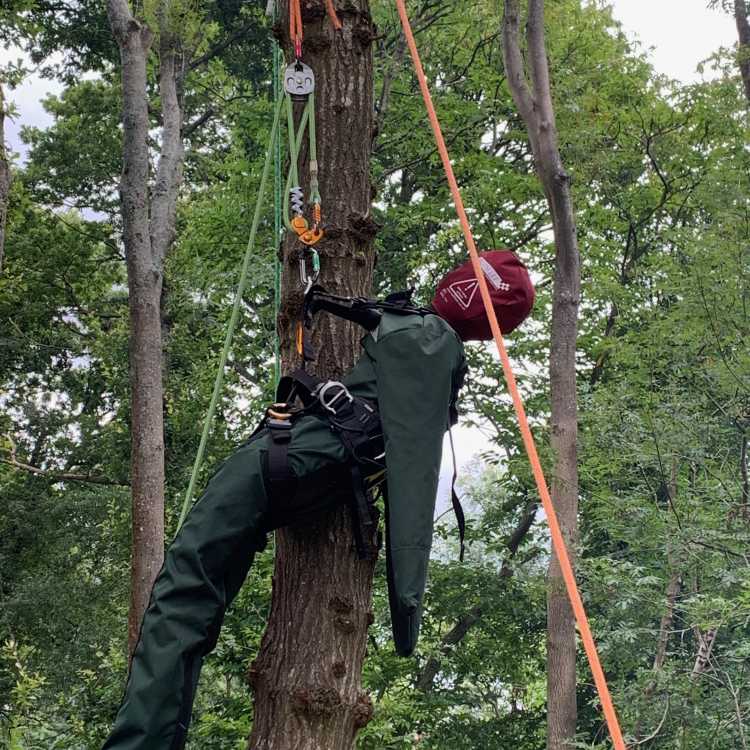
pixel 299 80
pixel 299 87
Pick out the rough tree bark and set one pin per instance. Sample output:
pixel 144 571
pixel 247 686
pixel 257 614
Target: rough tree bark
pixel 743 31
pixel 148 231
pixel 4 178
pixel 307 676
pixel 532 94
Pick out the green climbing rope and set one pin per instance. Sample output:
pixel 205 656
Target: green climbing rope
pixel 219 381
pixel 295 145
pixel 278 58
pixel 281 214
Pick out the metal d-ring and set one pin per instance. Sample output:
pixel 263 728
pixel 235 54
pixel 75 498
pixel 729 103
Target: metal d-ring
pixel 342 391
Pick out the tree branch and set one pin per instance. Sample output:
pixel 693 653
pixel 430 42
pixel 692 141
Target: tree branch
pixel 514 66
pixel 123 22
pixel 198 123
pixel 57 476
pixel 702 658
pixel 542 90
pixel 392 70
pixel 220 47
pixel 169 172
pixel 425 681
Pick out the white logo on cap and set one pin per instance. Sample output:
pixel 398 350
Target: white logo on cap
pixel 464 292
pixel 493 276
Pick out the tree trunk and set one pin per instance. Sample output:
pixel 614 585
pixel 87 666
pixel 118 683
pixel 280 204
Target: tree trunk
pixel 4 179
pixel 705 648
pixel 743 31
pixel 534 101
pixel 148 232
pixel 666 623
pixel 307 676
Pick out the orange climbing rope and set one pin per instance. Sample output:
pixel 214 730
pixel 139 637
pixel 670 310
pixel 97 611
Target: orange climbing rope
pixel 295 27
pixel 558 542
pixel 296 33
pixel 332 15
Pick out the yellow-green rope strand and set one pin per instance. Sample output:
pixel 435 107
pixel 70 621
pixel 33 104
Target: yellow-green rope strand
pixel 219 381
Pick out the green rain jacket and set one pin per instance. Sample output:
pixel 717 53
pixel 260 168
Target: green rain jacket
pixel 414 366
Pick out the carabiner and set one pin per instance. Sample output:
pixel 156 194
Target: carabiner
pixel 308 281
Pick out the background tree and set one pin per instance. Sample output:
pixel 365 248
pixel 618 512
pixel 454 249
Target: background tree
pixel 740 10
pixel 4 176
pixel 743 53
pixel 533 97
pixel 148 218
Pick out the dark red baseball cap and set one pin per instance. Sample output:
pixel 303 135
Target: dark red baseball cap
pixel 457 298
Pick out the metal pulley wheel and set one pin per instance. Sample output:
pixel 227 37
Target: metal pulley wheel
pixel 299 80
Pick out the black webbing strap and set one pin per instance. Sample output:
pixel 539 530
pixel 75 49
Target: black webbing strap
pixel 457 509
pixel 280 474
pixel 360 310
pixel 300 384
pixel 356 423
pixel 362 515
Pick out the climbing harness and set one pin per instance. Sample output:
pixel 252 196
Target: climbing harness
pixel 353 419
pixel 558 542
pixel 368 314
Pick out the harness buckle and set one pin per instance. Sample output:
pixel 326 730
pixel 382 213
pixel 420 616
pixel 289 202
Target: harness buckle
pixel 278 424
pixel 279 421
pixel 282 411
pixel 327 402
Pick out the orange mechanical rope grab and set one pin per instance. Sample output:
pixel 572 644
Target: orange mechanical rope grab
pixel 558 541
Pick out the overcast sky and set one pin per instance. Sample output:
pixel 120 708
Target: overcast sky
pixel 682 33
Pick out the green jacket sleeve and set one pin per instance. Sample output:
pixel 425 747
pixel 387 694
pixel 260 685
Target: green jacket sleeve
pixel 415 368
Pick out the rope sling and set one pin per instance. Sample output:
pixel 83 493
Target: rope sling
pixel 295 138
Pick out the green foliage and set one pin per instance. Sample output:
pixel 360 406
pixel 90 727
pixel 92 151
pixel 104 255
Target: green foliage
pixel 660 175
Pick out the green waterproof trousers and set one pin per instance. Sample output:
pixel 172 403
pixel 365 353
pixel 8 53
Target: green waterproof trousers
pixel 413 366
pixel 204 569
